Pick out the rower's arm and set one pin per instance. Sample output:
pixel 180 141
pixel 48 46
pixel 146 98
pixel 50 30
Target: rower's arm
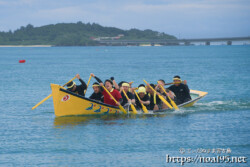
pixel 115 84
pixel 83 83
pixel 132 90
pixel 157 87
pixel 101 83
pixel 132 98
pixel 146 102
pixel 98 79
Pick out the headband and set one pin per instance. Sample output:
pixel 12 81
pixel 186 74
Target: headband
pixel 72 85
pixel 125 84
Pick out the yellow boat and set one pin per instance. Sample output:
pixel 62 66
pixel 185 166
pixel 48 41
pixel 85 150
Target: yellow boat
pixel 69 103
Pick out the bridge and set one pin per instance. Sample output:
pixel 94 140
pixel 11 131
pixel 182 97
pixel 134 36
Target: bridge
pixel 207 41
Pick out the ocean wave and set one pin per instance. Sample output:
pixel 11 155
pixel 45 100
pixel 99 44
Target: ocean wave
pixel 216 106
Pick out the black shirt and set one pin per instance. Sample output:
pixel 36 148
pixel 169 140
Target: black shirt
pixel 97 96
pixel 80 88
pixel 181 92
pixel 152 102
pixel 138 104
pixel 124 99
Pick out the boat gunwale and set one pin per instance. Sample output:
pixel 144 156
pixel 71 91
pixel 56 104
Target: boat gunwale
pixel 190 101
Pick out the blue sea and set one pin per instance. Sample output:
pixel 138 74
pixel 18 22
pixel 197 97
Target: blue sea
pixel 217 125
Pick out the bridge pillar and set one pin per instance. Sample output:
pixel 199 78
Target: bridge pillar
pixel 207 43
pixel 229 42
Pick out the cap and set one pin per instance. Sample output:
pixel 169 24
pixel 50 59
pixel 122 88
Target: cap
pixel 142 90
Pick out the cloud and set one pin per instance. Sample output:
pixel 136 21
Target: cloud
pixel 66 12
pixel 17 2
pixel 189 17
pixel 176 7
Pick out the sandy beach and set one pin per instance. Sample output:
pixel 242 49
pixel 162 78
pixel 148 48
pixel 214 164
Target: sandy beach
pixel 5 46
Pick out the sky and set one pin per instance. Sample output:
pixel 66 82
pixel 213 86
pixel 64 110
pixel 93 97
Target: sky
pixel 181 18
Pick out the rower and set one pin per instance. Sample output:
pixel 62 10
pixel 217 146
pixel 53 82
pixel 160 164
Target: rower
pixel 144 98
pixel 160 91
pixel 155 101
pixel 97 94
pixel 115 93
pixel 160 85
pixel 78 89
pixel 125 86
pixel 119 86
pixel 120 83
pixel 180 90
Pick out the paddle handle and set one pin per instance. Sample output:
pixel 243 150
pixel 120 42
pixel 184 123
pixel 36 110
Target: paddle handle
pixel 150 86
pixel 88 84
pixel 138 98
pixel 171 83
pixel 125 94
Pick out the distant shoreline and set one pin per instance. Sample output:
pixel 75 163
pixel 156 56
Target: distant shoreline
pixel 8 46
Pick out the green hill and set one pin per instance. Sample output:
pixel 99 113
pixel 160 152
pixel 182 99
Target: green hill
pixel 74 34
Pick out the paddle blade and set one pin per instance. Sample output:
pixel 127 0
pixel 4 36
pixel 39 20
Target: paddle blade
pixel 46 98
pixel 174 105
pixel 165 101
pixel 133 109
pixel 145 110
pixel 123 110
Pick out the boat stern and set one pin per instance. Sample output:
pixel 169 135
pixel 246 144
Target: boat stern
pixel 196 96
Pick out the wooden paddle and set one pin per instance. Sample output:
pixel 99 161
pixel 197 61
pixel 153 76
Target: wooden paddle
pixel 46 98
pixel 169 83
pixel 161 97
pixel 120 106
pixel 172 102
pixel 174 83
pixel 87 85
pixel 132 106
pixel 145 110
